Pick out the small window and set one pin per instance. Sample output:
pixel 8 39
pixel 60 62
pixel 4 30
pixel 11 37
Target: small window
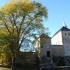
pixel 48 53
pixel 66 40
pixel 68 34
pixel 65 34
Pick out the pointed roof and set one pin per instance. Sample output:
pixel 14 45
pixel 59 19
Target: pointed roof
pixel 44 36
pixel 64 28
pixel 64 25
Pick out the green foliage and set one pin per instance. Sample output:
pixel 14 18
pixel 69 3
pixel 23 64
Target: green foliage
pixel 23 16
pixel 23 21
pixel 7 45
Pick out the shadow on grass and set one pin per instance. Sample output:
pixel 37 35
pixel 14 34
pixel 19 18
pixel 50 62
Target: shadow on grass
pixel 27 67
pixel 22 67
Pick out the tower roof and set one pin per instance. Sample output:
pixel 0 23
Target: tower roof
pixel 44 36
pixel 64 28
pixel 64 25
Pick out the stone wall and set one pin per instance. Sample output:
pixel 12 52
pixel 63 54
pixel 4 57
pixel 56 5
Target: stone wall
pixel 45 46
pixel 26 57
pixel 57 50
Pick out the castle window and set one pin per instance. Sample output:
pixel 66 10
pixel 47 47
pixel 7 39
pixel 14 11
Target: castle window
pixel 65 34
pixel 48 53
pixel 68 34
pixel 66 40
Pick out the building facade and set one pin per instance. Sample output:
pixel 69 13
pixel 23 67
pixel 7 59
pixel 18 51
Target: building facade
pixel 58 45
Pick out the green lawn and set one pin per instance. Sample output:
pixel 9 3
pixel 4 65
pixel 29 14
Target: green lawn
pixel 5 69
pixel 1 68
pixel 17 69
pixel 22 67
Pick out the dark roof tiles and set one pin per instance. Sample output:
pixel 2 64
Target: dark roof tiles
pixel 62 29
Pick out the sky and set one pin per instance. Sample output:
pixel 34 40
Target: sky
pixel 58 10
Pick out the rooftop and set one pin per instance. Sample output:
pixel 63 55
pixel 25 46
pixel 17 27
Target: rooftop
pixel 63 28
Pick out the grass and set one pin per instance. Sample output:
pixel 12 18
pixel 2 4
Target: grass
pixel 17 69
pixel 22 67
pixel 5 69
pixel 26 69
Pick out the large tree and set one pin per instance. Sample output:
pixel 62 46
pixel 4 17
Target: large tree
pixel 7 46
pixel 25 18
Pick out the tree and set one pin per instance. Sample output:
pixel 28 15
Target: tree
pixel 7 46
pixel 25 18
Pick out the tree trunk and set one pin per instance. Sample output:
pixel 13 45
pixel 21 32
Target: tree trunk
pixel 15 60
pixel 13 63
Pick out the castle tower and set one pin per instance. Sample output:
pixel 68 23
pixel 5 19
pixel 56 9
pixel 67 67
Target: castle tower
pixel 62 38
pixel 43 45
pixel 66 39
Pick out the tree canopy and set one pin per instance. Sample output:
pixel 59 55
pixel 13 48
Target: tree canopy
pixel 25 17
pixel 20 22
pixel 7 46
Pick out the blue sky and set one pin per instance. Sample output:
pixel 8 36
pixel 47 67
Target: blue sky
pixel 57 11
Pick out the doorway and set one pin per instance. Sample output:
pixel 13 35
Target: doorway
pixel 48 53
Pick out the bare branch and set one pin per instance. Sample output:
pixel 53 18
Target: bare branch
pixel 7 27
pixel 21 23
pixel 12 25
pixel 15 23
pixel 28 25
pixel 24 30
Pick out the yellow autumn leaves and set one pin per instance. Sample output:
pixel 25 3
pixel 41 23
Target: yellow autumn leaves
pixel 9 8
pixel 19 5
pixel 27 6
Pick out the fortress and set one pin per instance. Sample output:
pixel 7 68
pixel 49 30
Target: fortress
pixel 58 45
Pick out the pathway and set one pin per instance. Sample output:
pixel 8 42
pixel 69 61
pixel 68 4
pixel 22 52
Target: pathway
pixel 2 68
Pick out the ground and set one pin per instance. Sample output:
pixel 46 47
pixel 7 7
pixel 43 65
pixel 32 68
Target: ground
pixel 2 68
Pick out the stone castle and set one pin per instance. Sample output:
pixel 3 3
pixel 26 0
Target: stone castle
pixel 58 45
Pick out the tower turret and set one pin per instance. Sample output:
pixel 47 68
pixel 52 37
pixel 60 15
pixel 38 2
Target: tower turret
pixel 64 25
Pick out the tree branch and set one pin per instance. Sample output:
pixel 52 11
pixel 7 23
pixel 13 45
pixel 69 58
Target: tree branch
pixel 15 23
pixel 24 30
pixel 28 25
pixel 7 27
pixel 21 23
pixel 12 25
